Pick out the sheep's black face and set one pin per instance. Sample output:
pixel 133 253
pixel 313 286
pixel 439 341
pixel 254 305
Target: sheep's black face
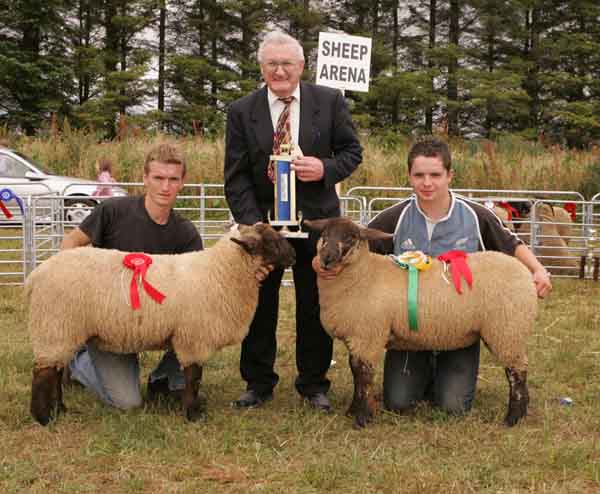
pixel 338 238
pixel 274 248
pixel 522 207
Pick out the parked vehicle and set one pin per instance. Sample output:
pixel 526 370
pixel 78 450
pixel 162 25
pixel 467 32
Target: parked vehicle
pixel 25 177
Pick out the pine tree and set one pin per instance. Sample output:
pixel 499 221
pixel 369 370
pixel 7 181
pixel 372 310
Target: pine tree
pixel 35 78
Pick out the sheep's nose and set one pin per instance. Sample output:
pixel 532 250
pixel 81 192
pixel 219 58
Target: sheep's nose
pixel 327 259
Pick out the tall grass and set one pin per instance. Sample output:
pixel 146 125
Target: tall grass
pixel 508 163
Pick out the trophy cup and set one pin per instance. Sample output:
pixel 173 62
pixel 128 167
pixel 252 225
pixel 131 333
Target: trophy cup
pixel 285 194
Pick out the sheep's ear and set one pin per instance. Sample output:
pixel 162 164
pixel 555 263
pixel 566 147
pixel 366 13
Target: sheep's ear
pixel 315 225
pixel 248 243
pixel 372 234
pixel 544 207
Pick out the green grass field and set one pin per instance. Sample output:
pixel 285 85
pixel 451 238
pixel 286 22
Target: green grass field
pixel 287 447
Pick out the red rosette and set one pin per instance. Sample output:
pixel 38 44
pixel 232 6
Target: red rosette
pixel 140 263
pixel 458 267
pixel 571 208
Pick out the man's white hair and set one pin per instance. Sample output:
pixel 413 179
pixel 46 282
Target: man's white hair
pixel 279 38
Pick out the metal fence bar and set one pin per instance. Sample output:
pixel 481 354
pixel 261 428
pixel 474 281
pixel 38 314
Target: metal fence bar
pixel 40 231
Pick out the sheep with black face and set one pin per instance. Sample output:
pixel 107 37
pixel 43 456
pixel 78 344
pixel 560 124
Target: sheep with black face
pixel 365 306
pixel 211 297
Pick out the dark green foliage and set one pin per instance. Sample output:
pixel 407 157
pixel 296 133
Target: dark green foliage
pixel 476 68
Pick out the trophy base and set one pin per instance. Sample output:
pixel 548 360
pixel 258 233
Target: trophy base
pixel 286 232
pixel 298 234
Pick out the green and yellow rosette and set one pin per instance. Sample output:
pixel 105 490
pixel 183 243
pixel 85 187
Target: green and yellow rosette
pixel 414 261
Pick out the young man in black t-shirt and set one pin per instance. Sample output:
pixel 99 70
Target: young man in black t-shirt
pixel 136 224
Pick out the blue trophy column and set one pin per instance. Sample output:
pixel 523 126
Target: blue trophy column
pixel 284 192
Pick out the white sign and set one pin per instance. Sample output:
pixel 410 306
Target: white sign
pixel 344 61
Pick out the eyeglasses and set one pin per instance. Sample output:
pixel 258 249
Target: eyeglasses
pixel 286 65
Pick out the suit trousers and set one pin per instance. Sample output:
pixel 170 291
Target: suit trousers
pixel 314 347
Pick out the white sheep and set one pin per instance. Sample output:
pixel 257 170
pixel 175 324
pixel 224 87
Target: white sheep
pixel 365 306
pixel 83 293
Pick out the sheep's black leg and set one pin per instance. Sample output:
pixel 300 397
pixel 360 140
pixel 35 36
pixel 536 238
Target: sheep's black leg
pixel 518 397
pixel 44 394
pixel 194 404
pixel 354 406
pixel 60 405
pixel 362 407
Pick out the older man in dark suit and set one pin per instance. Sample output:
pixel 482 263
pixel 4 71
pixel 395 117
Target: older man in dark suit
pixel 316 119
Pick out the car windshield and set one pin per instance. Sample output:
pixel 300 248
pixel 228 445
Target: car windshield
pixel 42 168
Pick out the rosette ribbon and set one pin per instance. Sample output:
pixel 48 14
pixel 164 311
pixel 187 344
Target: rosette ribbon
pixel 571 208
pixel 457 259
pixel 8 195
pixel 140 264
pixel 414 261
pixel 510 211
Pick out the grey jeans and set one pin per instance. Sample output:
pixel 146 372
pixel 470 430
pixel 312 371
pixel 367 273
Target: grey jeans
pixel 115 378
pixel 447 379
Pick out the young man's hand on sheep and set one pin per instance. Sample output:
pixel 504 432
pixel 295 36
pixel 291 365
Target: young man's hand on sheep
pixel 541 277
pixel 324 273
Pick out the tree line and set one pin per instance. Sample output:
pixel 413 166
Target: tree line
pixel 464 67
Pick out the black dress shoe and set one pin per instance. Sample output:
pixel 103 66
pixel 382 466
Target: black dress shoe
pixel 251 399
pixel 159 389
pixel 319 401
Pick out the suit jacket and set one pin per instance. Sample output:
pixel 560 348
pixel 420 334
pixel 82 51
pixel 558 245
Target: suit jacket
pixel 326 132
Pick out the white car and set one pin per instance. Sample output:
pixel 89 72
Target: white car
pixel 24 178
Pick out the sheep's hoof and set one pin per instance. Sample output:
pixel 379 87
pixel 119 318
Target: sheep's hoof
pixel 516 412
pixel 42 419
pixel 361 421
pixel 352 409
pixel 44 415
pixel 362 416
pixel 197 410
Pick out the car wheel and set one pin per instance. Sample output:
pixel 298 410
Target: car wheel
pixel 76 210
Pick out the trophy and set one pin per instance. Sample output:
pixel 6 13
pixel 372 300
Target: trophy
pixel 285 193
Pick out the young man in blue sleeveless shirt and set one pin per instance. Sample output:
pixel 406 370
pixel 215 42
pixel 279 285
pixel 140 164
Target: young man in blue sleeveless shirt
pixel 435 220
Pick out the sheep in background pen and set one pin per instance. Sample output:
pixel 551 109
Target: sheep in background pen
pixel 556 230
pixel 211 297
pixel 564 217
pixel 365 306
pixel 503 211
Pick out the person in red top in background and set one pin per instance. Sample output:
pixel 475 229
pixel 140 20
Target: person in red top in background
pixel 104 168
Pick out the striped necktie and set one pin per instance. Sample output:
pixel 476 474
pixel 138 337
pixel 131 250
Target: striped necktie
pixel 283 133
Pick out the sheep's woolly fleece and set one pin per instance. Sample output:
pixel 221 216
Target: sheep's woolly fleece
pixel 365 306
pixel 84 293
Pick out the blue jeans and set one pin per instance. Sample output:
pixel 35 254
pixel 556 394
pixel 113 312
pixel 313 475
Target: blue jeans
pixel 115 378
pixel 447 379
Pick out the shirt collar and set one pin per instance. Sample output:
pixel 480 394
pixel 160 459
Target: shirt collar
pixel 452 201
pixel 273 98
